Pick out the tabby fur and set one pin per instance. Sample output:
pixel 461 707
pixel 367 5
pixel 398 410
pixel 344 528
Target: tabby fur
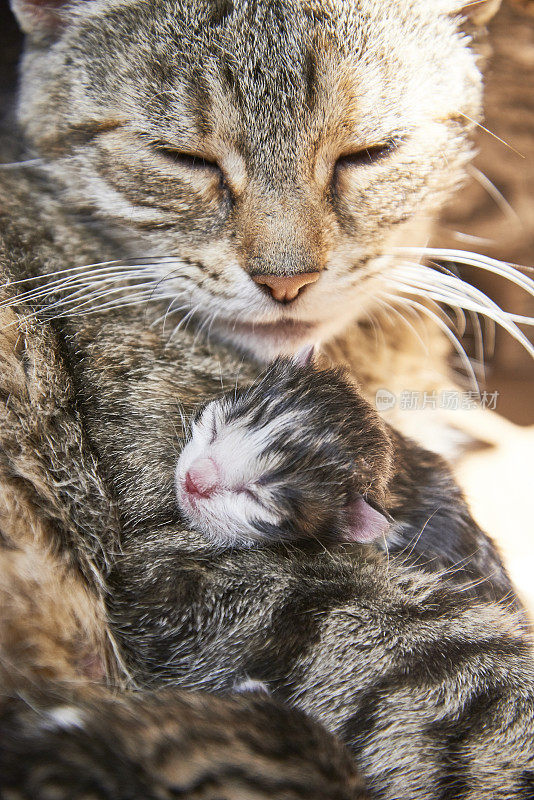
pixel 307 446
pixel 165 745
pixel 403 666
pixel 432 690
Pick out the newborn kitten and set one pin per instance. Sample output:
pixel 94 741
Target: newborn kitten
pixel 290 457
pixel 301 454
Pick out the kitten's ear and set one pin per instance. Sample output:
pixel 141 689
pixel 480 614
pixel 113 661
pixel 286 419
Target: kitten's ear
pixel 305 357
pixel 479 11
pixel 365 522
pixel 40 19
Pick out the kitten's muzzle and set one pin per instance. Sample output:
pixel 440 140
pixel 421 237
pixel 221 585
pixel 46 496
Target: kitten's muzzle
pixel 285 288
pixel 202 478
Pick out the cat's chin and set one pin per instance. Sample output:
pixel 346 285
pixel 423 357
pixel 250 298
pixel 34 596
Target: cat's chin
pixel 267 340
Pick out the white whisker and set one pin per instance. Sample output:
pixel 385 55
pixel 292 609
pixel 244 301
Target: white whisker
pixel 511 272
pixel 185 320
pixel 450 335
pixel 73 281
pixel 497 196
pixel 95 288
pixel 426 282
pixel 469 238
pixel 213 318
pixel 443 286
pixel 170 310
pixel 79 271
pixel 29 162
pixel 392 307
pixel 487 130
pixel 117 303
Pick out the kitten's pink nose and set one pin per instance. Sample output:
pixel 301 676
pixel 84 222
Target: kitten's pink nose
pixel 202 477
pixel 284 288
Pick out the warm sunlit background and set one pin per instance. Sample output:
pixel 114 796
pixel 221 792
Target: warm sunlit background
pixel 503 226
pixel 499 480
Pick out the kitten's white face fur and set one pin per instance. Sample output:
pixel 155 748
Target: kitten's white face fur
pixel 235 472
pixel 227 461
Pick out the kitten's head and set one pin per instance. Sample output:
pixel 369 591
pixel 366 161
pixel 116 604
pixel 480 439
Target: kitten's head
pixel 299 454
pixel 278 149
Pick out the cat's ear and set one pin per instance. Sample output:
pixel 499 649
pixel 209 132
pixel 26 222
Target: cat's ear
pixel 40 19
pixel 365 521
pixel 305 357
pixel 479 11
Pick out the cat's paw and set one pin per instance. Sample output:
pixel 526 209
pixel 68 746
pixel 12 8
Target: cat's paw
pixel 248 685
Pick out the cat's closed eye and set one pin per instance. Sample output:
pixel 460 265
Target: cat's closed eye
pixel 192 163
pixel 367 155
pixel 187 160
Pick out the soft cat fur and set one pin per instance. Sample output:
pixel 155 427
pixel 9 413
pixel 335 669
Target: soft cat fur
pixel 375 135
pixel 432 691
pixel 301 455
pixel 400 664
pixel 168 745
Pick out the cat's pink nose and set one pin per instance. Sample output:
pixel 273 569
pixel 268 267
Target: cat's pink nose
pixel 202 477
pixel 284 288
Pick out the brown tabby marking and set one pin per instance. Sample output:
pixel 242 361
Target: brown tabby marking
pixel 266 139
pixel 167 745
pixel 432 690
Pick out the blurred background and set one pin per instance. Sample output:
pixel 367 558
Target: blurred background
pixel 494 214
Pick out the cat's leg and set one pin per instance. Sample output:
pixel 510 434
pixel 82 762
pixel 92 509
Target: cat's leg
pixel 167 744
pixel 56 518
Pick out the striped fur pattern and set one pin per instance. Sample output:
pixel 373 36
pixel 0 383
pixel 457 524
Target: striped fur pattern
pixel 432 691
pixel 68 726
pixel 305 448
pixel 399 664
pixel 168 745
pixel 112 607
pixel 256 138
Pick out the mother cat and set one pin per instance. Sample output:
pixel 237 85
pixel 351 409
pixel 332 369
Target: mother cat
pixel 276 152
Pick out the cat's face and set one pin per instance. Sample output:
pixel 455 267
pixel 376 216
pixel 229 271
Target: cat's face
pixel 254 140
